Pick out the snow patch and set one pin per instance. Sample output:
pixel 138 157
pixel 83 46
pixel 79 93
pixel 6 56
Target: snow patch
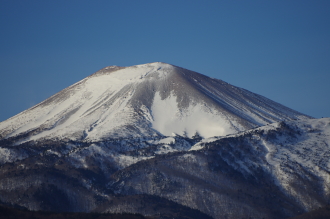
pixel 168 119
pixel 169 140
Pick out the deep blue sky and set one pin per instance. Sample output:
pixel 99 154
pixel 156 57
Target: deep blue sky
pixel 279 49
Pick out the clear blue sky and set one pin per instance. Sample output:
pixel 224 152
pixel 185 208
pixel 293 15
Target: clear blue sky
pixel 279 49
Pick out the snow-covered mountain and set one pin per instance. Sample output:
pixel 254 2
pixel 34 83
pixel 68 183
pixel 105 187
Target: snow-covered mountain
pixel 167 142
pixel 153 99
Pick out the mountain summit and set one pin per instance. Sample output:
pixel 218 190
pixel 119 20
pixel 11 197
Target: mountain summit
pixel 152 99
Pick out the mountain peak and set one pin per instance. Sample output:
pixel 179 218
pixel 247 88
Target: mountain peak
pixel 155 64
pixel 136 71
pixel 146 100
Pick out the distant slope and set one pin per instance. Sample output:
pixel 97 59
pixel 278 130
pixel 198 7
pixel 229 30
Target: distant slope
pixel 145 100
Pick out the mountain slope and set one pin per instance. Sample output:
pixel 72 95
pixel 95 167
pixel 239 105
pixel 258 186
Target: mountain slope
pixel 145 100
pixel 274 171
